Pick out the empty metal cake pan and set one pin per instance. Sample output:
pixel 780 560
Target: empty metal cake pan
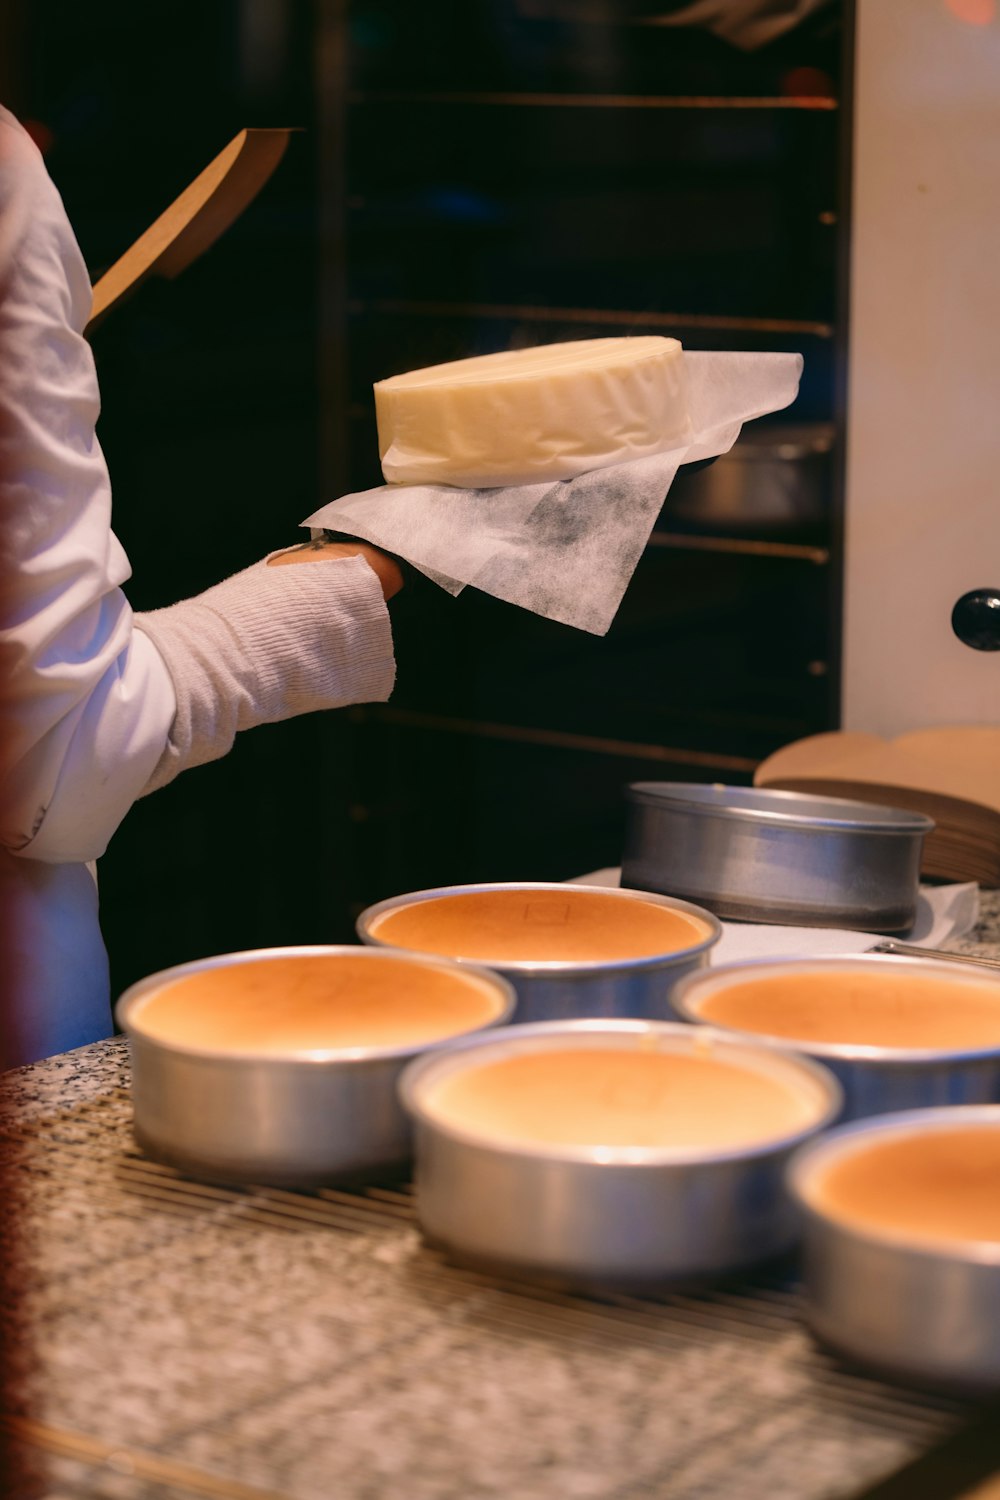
pixel 294 1119
pixel 875 1079
pixel 561 990
pixel 759 855
pixel 922 1311
pixel 591 1216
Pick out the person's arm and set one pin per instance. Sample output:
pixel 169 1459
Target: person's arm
pixel 94 710
pixel 269 644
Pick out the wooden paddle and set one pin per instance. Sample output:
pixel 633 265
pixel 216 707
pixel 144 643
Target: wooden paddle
pixel 196 219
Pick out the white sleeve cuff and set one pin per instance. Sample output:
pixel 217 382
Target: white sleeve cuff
pixel 269 644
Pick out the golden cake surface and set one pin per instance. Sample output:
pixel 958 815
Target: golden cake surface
pixel 316 1002
pixel 620 1097
pixel 572 924
pixel 931 1186
pixel 893 1007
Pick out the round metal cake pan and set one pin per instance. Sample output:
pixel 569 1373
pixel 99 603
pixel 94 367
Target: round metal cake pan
pixel 759 855
pixel 295 1119
pixel 592 1217
pixel 874 1080
pixel 920 1312
pixel 637 988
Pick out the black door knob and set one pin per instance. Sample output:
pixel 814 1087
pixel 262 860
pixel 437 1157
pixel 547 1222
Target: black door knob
pixel 976 619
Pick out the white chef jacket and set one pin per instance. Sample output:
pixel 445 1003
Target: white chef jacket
pixel 86 703
pixel 91 708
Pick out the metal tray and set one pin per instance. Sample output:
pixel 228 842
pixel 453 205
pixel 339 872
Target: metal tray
pixel 599 1217
pixel 294 1119
pixel 760 855
pixel 913 1310
pixel 875 1080
pixel 562 991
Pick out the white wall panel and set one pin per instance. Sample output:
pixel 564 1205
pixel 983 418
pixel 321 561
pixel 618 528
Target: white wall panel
pixel 923 462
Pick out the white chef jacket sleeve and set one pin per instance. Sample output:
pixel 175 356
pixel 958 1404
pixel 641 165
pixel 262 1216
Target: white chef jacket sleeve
pixel 269 644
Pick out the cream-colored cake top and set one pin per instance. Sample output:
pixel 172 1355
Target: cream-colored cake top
pixel 931 1186
pixel 301 1003
pixel 620 1097
pixel 891 1007
pixel 525 415
pixel 572 924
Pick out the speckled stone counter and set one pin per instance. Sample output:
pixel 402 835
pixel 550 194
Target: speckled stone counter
pixel 984 939
pixel 188 1339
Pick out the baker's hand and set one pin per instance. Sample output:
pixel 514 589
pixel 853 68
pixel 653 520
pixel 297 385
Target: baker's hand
pixel 385 568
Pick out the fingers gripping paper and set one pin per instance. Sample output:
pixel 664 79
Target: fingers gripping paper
pixel 568 549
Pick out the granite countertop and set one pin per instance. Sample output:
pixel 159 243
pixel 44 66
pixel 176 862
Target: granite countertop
pixel 178 1338
pixel 983 941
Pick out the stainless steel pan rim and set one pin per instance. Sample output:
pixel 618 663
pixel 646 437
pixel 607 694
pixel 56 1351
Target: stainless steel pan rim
pixel 782 809
pixel 133 997
pixel 708 980
pixel 516 1039
pixel 811 1157
pixel 552 968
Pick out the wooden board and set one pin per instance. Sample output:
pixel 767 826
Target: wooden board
pixel 195 219
pixel 951 773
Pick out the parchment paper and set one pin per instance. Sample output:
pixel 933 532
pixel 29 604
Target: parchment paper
pixel 565 550
pixel 944 912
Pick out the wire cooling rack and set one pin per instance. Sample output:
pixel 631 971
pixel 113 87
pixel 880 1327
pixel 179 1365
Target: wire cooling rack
pixel 190 1339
